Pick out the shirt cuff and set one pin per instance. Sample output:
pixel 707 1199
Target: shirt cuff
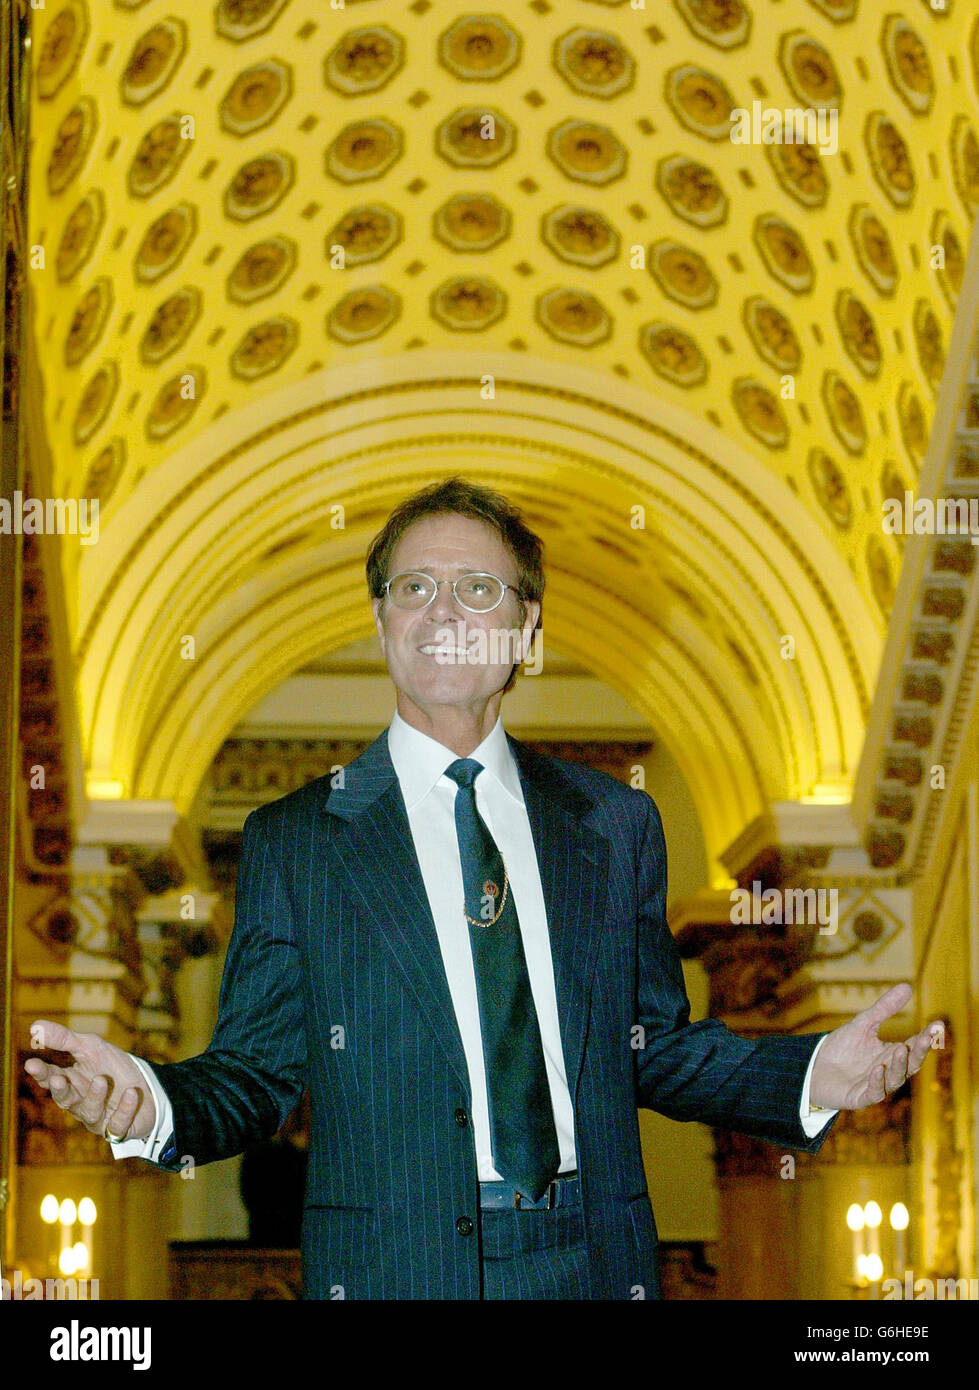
pixel 813 1118
pixel 152 1146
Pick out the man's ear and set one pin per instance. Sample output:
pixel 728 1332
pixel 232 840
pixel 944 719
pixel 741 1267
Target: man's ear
pixel 527 629
pixel 376 608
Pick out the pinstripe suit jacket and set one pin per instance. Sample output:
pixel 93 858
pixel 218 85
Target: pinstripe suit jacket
pixel 334 978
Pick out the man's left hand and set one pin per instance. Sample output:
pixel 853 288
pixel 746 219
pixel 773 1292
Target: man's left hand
pixel 855 1068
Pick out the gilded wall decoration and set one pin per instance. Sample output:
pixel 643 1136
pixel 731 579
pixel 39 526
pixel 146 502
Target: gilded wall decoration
pixel 801 170
pixel 829 485
pixel 965 164
pixel 908 65
pixel 88 321
pixel 594 63
pixel 364 60
pixel 872 245
pixel 573 316
pixel 175 402
pixel 479 48
pixel 928 341
pixel 845 413
pixel 365 233
pixel 673 354
pixel 580 235
pixel 239 20
pixel 265 347
pixel 890 159
pixel 683 274
pixel 692 191
pixel 81 232
pixel 72 143
pixel 880 571
pixel 468 303
pixel 170 325
pixel 760 412
pixel 784 253
pixel 700 101
pixel 159 155
pixel 476 137
pixel 155 58
pixel 772 334
pixel 951 274
pixel 472 222
pixel 839 11
pixel 363 314
pixel 256 97
pixel 105 471
pixel 165 243
pixel 364 150
pixel 893 487
pixel 96 402
pixel 912 422
pixel 61 49
pixel 810 72
pixel 858 332
pixel 259 186
pixel 724 23
pixel 587 152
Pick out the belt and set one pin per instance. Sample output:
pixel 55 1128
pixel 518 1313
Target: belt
pixel 502 1196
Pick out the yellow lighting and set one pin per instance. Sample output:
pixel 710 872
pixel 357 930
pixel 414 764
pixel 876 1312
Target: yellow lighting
pixel 80 1254
pixel 899 1217
pixel 854 1217
pixel 87 1213
pixel 103 789
pixel 873 1268
pixel 826 794
pixel 66 1260
pixel 68 1212
pixel 49 1209
pixel 872 1215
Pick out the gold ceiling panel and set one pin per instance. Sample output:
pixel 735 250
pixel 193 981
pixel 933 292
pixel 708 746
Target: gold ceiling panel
pixel 233 196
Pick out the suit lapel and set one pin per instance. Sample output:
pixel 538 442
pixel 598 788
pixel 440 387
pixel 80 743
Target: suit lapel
pixel 573 863
pixel 370 848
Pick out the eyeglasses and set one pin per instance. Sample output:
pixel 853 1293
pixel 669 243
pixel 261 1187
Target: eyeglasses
pixel 479 593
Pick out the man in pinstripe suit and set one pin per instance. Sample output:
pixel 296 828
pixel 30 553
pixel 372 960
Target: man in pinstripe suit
pixel 351 969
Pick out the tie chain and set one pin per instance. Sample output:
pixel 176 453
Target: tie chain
pixel 478 922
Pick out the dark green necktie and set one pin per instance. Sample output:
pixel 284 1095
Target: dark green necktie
pixel 524 1138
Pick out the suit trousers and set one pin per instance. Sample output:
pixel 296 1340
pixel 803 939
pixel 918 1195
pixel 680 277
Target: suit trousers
pixel 535 1254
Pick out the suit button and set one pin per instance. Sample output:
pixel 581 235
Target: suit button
pixel 464 1225
pixel 461 1118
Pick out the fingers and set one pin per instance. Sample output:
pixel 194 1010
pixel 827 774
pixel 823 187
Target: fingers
pixel 889 1003
pixel 121 1118
pixel 896 1069
pixel 48 1036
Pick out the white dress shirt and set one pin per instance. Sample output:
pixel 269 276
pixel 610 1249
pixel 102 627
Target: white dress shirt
pixel 429 796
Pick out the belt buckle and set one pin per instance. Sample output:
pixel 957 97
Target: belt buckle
pixel 518 1198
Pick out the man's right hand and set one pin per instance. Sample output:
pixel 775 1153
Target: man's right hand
pixel 101 1085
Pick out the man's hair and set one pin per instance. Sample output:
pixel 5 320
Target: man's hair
pixel 463 498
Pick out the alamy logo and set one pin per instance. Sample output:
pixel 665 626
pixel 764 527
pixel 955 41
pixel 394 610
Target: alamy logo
pixel 768 125
pixel 50 516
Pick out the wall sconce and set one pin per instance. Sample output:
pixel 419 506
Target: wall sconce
pixel 864 1223
pixel 74 1256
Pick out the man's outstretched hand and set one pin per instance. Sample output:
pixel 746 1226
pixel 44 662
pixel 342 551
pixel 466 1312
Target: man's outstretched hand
pixel 97 1082
pixel 855 1068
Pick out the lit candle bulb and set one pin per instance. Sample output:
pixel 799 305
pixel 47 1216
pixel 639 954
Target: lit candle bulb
pixel 67 1214
pixel 899 1224
pixel 49 1215
pixel 87 1215
pixel 855 1221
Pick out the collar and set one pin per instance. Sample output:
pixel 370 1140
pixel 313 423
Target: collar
pixel 419 761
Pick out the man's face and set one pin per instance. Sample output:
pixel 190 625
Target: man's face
pixel 444 655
